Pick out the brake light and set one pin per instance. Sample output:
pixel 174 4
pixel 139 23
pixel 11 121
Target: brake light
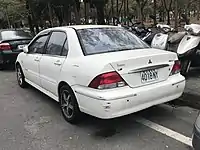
pixel 107 81
pixel 176 68
pixel 5 46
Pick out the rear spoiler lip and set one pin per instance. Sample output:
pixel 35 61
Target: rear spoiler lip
pixel 9 40
pixel 148 68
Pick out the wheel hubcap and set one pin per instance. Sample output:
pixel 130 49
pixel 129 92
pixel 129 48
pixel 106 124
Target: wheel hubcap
pixel 66 104
pixel 19 76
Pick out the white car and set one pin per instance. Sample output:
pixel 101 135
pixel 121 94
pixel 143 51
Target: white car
pixel 104 71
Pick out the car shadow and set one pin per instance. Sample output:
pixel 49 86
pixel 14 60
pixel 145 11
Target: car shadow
pixel 43 97
pixel 100 128
pixel 125 126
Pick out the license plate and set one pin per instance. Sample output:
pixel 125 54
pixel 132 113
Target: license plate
pixel 149 76
pixel 21 46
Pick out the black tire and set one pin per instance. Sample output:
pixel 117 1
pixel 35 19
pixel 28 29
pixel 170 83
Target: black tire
pixel 20 77
pixel 185 66
pixel 68 105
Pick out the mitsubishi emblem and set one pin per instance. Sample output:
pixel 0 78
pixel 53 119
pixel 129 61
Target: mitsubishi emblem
pixel 150 62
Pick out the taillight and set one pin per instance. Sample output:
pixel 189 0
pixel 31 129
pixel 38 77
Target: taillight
pixel 176 68
pixel 5 46
pixel 107 81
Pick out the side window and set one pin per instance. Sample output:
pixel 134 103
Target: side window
pixel 65 49
pixel 56 43
pixel 38 45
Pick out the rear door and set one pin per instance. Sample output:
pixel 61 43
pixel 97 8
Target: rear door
pixel 52 61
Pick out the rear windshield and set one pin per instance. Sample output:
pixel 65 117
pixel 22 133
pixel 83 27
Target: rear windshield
pixel 18 34
pixel 103 40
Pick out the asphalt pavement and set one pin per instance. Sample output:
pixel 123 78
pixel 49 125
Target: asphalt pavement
pixel 29 120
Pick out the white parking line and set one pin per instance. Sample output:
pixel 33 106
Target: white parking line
pixel 172 134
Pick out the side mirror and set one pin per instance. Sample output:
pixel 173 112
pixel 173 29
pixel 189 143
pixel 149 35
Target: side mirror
pixel 25 49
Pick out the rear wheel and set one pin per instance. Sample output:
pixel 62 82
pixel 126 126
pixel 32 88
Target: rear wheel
pixel 185 67
pixel 69 106
pixel 20 77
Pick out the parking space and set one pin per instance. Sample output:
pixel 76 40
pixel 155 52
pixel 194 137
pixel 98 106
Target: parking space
pixel 31 120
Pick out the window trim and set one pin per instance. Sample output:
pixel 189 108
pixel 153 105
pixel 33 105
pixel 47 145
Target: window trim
pixel 80 42
pixel 45 50
pixel 47 34
pixel 66 40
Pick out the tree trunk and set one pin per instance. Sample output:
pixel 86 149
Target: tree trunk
pixel 29 17
pixel 59 14
pixel 76 12
pixel 120 9
pixel 154 12
pixel 168 18
pixel 50 14
pixel 67 15
pixel 86 5
pixel 117 9
pixel 139 12
pixel 176 15
pixel 127 9
pixel 142 14
pixel 31 24
pixel 198 10
pixel 124 12
pixel 141 4
pixel 112 11
pixel 167 7
pixel 100 13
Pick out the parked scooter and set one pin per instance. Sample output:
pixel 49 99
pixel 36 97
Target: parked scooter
pixel 146 34
pixel 167 38
pixel 189 48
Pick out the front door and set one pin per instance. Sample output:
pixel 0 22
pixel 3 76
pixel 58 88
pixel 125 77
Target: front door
pixel 52 61
pixel 32 59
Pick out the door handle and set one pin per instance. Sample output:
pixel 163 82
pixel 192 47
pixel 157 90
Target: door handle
pixel 58 63
pixel 36 59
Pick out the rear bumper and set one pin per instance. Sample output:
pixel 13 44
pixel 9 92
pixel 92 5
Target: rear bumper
pixel 8 57
pixel 107 104
pixel 196 138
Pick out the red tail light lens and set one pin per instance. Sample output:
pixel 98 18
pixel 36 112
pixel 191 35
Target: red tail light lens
pixel 107 81
pixel 176 68
pixel 5 46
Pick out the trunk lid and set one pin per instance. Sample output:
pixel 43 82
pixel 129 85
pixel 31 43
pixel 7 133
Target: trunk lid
pixel 141 67
pixel 17 44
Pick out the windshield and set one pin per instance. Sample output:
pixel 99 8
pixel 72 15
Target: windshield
pixel 18 34
pixel 103 40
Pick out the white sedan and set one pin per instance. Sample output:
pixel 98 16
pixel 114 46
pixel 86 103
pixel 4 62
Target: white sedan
pixel 104 71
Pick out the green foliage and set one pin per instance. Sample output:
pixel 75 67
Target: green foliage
pixel 14 8
pixel 39 11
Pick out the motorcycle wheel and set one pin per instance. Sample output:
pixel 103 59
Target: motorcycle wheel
pixel 185 66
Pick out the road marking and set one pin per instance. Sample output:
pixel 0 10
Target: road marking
pixel 175 135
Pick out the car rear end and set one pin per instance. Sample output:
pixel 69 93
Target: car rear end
pixel 129 80
pixel 11 44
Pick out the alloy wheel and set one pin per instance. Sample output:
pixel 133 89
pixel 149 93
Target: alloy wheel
pixel 19 76
pixel 67 104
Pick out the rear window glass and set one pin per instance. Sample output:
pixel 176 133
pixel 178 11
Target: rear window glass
pixel 7 35
pixel 104 40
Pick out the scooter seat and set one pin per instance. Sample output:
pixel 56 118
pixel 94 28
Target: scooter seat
pixel 176 38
